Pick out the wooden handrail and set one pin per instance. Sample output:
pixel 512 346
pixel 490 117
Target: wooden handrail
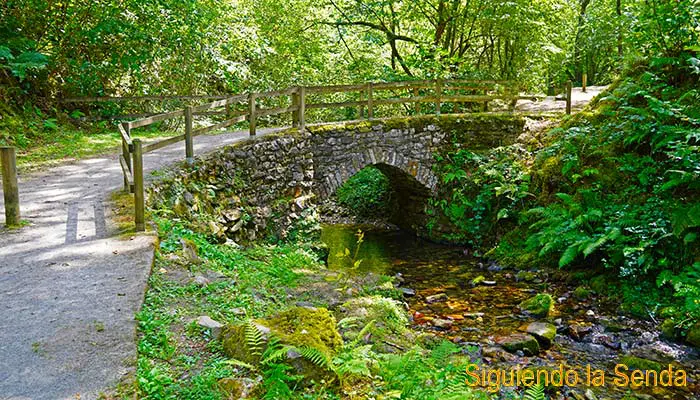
pixel 117 99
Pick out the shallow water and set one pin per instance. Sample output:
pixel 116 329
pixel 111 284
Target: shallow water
pixel 480 313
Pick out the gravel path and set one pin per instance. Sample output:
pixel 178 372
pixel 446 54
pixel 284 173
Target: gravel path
pixel 579 100
pixel 69 286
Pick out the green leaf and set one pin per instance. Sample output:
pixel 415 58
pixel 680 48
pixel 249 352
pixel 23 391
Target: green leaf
pixel 569 255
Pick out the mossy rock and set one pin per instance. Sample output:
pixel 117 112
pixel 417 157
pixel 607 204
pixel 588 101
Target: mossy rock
pixel 520 341
pixel 307 327
pixel 581 293
pixel 634 362
pixel 236 344
pixel 387 318
pixel 300 328
pixel 543 332
pixel 693 335
pixel 478 280
pixel 539 306
pixel 525 276
pixel 599 284
pixel 668 329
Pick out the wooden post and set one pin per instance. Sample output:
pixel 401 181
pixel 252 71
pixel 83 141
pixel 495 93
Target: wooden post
pixel 251 113
pixel 302 108
pixel 127 155
pixel 568 97
pixel 9 185
pixel 189 145
pixel 139 205
pixel 438 95
pixel 361 109
pixel 584 80
pixel 486 103
pixel 417 104
pixel 295 103
pixel 370 102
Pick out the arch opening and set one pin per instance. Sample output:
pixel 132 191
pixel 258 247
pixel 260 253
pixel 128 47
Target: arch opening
pixel 405 203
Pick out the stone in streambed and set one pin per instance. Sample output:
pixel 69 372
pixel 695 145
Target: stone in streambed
pixel 693 336
pixel 634 362
pixel 436 298
pixel 539 306
pixel 543 332
pixel 525 276
pixel 444 324
pixel 520 341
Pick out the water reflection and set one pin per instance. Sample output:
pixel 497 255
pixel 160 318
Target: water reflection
pixel 382 250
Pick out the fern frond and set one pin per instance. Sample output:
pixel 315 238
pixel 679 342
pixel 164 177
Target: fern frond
pixel 239 363
pixel 362 333
pixel 535 392
pixel 316 356
pixel 254 339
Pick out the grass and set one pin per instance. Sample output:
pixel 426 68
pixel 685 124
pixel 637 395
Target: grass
pixel 177 358
pixel 74 144
pixel 122 206
pixel 42 141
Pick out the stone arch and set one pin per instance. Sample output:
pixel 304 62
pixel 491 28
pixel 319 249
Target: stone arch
pixel 332 172
pixel 410 187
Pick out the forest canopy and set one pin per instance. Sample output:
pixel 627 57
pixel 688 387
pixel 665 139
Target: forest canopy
pixel 129 47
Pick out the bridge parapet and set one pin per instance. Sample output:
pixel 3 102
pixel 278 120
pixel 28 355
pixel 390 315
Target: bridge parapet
pixel 300 166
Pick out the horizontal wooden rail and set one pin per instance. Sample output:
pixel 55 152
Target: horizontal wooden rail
pixel 223 124
pixel 162 143
pixel 156 118
pixel 106 99
pixel 261 112
pixel 275 93
pixel 337 105
pixel 220 103
pixel 127 172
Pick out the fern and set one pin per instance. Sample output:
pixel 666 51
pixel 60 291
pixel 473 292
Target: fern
pixel 254 339
pixel 441 355
pixel 316 356
pixel 535 392
pixel 276 382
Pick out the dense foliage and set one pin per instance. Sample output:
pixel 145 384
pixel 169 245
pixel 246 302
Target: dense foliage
pixel 616 189
pixel 367 193
pixel 71 48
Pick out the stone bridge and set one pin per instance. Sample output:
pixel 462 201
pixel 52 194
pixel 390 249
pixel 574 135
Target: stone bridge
pixel 299 167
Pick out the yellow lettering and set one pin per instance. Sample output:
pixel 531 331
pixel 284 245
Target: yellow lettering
pixel 637 378
pixel 681 379
pixel 572 378
pixel 622 379
pixel 559 379
pixel 471 368
pixel 528 377
pixel 666 377
pixel 494 380
pixel 598 378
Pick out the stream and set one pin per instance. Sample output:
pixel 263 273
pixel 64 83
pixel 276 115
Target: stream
pixel 473 302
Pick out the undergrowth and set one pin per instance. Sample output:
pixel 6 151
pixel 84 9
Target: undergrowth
pixel 615 189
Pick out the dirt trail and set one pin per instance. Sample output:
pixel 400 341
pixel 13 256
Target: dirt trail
pixel 69 286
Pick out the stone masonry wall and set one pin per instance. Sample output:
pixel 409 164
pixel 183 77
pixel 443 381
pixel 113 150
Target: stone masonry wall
pixel 273 178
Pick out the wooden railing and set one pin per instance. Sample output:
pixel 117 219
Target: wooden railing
pixel 249 107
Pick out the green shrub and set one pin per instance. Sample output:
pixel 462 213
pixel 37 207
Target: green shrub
pixel 367 193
